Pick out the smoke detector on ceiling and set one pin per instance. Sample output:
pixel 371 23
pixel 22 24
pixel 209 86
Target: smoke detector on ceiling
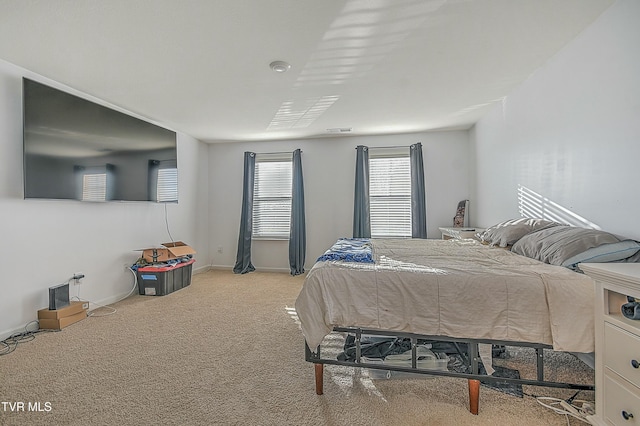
pixel 280 66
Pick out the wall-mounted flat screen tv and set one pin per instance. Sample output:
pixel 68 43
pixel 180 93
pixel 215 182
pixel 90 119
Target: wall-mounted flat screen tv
pixel 77 149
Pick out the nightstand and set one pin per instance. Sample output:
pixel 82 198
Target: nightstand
pixel 459 233
pixel 617 351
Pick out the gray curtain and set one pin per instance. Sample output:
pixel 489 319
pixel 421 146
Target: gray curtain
pixel 418 203
pixel 361 217
pixel 243 258
pixel 297 232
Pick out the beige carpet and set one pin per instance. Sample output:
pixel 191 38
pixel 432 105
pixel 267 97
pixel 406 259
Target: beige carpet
pixel 227 351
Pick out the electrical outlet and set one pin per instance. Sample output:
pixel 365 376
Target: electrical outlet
pixel 77 276
pixel 127 266
pixel 219 249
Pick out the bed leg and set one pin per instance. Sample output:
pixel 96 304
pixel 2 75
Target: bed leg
pixel 319 378
pixel 474 395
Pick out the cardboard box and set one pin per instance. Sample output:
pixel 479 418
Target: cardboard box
pixel 74 308
pixel 60 323
pixel 168 251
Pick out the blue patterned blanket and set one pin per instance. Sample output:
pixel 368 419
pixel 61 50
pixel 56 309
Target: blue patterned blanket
pixel 349 250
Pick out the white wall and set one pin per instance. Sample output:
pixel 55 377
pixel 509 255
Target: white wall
pixel 571 132
pixel 45 241
pixel 329 172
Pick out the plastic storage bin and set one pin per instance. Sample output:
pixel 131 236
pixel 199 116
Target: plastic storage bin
pixel 162 280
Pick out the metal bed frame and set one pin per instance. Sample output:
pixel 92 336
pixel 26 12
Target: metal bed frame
pixel 474 378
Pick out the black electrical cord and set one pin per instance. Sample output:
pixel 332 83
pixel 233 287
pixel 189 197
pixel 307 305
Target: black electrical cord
pixel 166 221
pixel 10 344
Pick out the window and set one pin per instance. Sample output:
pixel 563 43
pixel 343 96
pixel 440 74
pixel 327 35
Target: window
pixel 272 197
pixel 167 188
pixel 163 181
pixel 94 187
pixel 390 194
pixel 94 183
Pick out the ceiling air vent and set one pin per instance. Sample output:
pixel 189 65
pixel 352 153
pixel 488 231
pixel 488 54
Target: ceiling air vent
pixel 339 130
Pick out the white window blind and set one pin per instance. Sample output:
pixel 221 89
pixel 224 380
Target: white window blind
pixel 94 187
pixel 272 199
pixel 167 188
pixel 390 195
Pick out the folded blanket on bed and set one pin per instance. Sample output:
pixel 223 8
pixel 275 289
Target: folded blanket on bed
pixel 349 250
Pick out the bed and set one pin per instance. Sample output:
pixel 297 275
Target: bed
pixel 506 289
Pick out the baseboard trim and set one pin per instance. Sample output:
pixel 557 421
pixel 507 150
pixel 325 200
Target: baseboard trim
pixel 201 269
pixel 258 269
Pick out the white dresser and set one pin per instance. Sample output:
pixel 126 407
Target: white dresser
pixel 617 375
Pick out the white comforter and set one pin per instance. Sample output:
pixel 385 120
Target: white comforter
pixel 455 288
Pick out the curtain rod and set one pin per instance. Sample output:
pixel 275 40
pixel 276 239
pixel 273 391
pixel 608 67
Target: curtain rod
pixel 389 147
pixel 277 152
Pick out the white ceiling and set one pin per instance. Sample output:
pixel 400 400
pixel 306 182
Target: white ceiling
pixel 377 66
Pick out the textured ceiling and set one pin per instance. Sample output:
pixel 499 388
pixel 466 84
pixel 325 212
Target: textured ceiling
pixel 377 66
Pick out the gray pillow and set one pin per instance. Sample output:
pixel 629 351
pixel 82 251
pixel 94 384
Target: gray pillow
pixel 556 245
pixel 508 232
pixel 612 252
